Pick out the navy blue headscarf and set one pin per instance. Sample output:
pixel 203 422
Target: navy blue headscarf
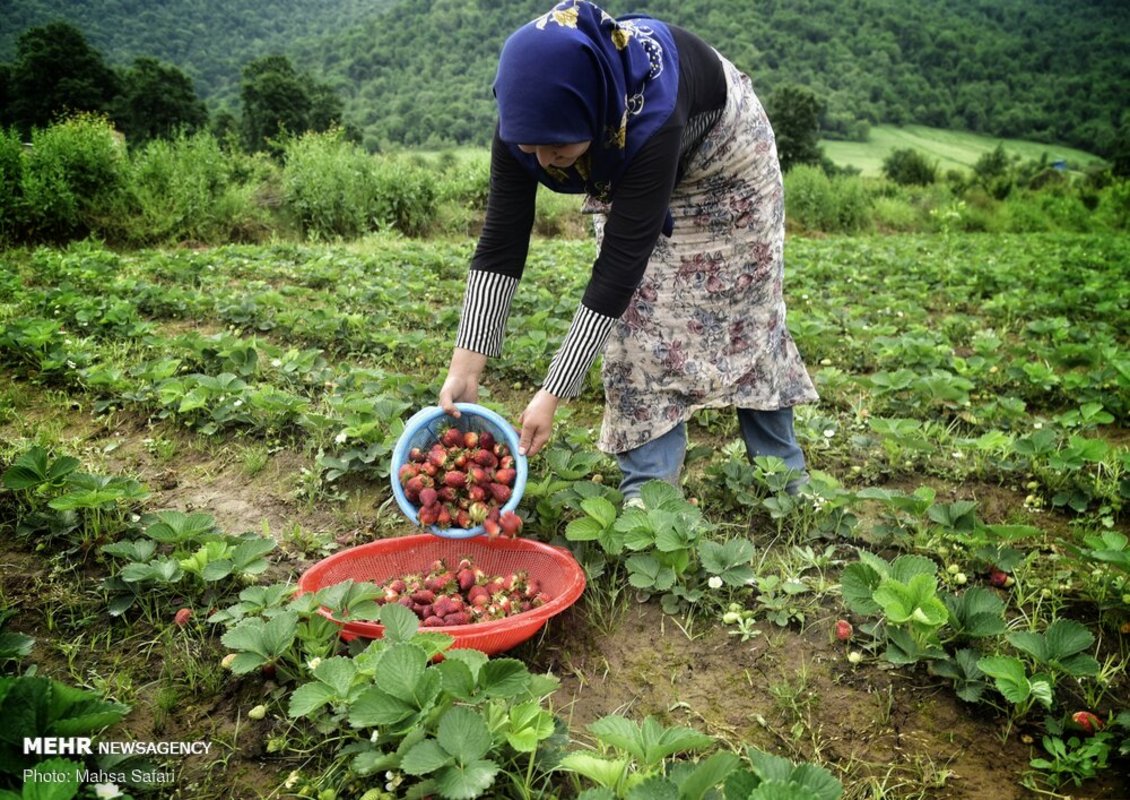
pixel 577 74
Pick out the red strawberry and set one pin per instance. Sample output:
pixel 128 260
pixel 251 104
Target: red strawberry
pixel 408 471
pixel 505 476
pixel 476 592
pixel 470 440
pixel 439 583
pixel 844 630
pixel 443 518
pixel 506 462
pixel 499 492
pixel 485 458
pixel 416 455
pixel 428 496
pixel 1087 721
pixel 455 479
pixel 466 580
pixel 397 585
pixel 433 622
pixel 182 617
pixel 463 519
pixel 486 440
pixel 437 456
pixel 510 523
pixel 457 618
pixel 452 437
pixel 429 515
pixel 999 578
pixel 478 476
pixel 423 596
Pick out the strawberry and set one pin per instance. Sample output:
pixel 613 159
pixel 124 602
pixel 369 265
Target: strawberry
pixel 457 618
pixel 505 476
pixel 470 440
pixel 428 496
pixel 423 596
pixel 429 515
pixel 452 437
pixel 439 583
pixel 999 578
pixel 511 524
pixel 844 630
pixel 416 455
pixel 437 456
pixel 433 622
pixel 478 476
pixel 485 458
pixel 506 462
pixel 492 528
pixel 499 492
pixel 182 617
pixel 466 579
pixel 407 471
pixel 1087 721
pixel 477 512
pixel 463 519
pixel 443 518
pixel 486 440
pixel 455 479
pixel 397 585
pixel 476 494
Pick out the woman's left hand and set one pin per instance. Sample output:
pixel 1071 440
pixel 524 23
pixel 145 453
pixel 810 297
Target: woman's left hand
pixel 537 423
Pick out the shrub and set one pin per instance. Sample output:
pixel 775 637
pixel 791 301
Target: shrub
pixel 183 191
pixel 813 201
pixel 334 189
pixel 11 171
pixel 908 167
pixel 73 180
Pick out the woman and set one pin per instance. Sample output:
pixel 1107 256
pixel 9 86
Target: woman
pixel 678 160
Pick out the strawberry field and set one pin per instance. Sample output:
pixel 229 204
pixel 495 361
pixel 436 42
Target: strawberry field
pixel 942 612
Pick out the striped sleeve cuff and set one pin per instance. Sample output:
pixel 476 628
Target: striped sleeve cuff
pixel 486 307
pixel 577 353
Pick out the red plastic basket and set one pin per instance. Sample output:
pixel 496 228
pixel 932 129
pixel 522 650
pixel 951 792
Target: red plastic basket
pixel 561 577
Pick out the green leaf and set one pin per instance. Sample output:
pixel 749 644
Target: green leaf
pixel 661 742
pixel 655 787
pixel 337 673
pixel 457 679
pixel 464 734
pixel 1009 676
pixel 400 624
pixel 605 772
pixel 976 613
pixel 466 781
pixel 619 732
pixel 425 757
pixel 374 708
pixel 308 698
pixel 707 774
pixel 858 583
pixel 600 509
pixel 504 677
pixel 45 783
pixel 915 602
pixel 400 669
pixel 1066 637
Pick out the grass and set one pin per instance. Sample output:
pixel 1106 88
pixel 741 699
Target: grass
pixel 950 149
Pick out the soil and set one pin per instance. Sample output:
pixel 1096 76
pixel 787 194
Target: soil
pixel 892 733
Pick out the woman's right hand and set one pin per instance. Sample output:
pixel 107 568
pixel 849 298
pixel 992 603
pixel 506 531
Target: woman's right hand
pixel 462 382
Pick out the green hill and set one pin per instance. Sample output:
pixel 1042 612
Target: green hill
pixel 949 149
pixel 418 72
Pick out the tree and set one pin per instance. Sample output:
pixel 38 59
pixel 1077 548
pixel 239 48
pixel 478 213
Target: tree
pixel 909 167
pixel 795 113
pixel 158 101
pixel 56 73
pixel 277 98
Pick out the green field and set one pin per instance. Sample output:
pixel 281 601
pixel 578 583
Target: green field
pixel 951 149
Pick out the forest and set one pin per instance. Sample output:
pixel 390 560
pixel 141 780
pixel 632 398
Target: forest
pixel 418 73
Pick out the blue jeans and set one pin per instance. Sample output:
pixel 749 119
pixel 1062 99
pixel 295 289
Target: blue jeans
pixel 766 433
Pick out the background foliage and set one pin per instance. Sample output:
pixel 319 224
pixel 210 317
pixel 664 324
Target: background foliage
pixel 418 72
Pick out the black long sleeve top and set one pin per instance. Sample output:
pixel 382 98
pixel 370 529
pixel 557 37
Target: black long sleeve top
pixel 639 205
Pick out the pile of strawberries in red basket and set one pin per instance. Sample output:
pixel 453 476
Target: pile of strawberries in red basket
pixel 462 481
pixel 463 595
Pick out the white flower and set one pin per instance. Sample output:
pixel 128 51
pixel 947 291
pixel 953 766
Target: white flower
pixel 107 791
pixel 829 433
pixel 291 779
pixel 715 582
pixel 314 663
pixel 276 362
pixel 237 403
pixel 855 656
pixel 340 438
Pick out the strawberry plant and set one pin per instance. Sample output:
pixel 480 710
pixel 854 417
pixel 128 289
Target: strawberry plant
pixel 772 777
pixel 635 760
